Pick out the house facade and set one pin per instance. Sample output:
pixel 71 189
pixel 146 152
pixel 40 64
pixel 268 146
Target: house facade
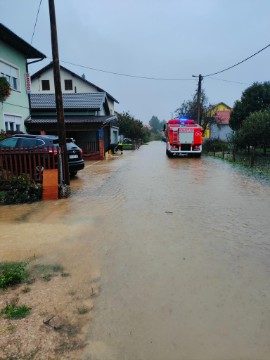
pixel 14 53
pixel 88 110
pixel 43 83
pixel 219 120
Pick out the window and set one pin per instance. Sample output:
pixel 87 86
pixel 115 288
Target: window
pixel 12 122
pixel 10 142
pixel 28 143
pixel 45 84
pixel 68 85
pixel 11 73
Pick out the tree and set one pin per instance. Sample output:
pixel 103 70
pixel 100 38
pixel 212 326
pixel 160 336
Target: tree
pixel 255 130
pixel 131 127
pixel 189 108
pixel 155 123
pixel 254 98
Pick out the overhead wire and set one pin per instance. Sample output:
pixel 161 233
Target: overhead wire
pixel 166 79
pixel 36 21
pixel 240 62
pixel 126 75
pixel 229 81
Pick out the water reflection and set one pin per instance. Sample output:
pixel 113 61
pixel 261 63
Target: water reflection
pixel 182 247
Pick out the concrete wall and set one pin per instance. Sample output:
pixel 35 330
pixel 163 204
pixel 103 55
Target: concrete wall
pixel 221 132
pixel 16 106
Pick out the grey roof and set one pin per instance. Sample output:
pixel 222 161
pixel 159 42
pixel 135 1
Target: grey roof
pixel 73 120
pixel 91 101
pixel 18 43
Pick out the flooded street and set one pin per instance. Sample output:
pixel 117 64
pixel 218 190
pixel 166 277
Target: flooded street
pixel 179 250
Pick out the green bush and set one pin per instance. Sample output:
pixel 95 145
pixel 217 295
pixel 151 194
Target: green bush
pixel 16 312
pixel 128 147
pixel 21 190
pixel 12 274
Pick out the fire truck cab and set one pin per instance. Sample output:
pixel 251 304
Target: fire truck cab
pixel 183 138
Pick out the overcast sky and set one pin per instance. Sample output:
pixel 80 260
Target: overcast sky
pixel 152 38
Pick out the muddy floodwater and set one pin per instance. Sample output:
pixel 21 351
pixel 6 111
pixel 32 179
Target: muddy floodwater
pixel 180 249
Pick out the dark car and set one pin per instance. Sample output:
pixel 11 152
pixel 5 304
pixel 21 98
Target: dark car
pixel 75 159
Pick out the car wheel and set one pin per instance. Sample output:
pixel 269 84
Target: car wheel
pixel 73 173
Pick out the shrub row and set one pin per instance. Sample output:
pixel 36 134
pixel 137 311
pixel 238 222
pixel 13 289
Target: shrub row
pixel 21 190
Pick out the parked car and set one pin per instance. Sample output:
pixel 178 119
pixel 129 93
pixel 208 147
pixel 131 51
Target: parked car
pixel 26 141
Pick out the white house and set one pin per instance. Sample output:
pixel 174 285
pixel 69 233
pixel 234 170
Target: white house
pixel 43 83
pixel 88 110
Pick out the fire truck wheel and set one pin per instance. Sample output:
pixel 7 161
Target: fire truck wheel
pixel 169 154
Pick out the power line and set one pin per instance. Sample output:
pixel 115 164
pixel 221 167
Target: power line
pixel 126 75
pixel 146 77
pixel 230 81
pixel 36 22
pixel 168 79
pixel 240 62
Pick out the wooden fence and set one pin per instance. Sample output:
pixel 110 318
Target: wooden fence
pixel 29 162
pixel 251 159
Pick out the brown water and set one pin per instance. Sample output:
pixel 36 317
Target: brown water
pixel 180 247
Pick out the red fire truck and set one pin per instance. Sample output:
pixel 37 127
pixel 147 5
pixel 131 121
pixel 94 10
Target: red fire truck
pixel 183 137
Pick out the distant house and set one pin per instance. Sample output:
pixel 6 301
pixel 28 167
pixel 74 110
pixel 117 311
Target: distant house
pixel 14 53
pixel 88 109
pixel 219 119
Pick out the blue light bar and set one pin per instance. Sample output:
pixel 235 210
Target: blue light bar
pixel 182 119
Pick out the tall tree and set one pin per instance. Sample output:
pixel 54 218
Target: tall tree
pixel 254 98
pixel 131 127
pixel 255 130
pixel 155 123
pixel 189 108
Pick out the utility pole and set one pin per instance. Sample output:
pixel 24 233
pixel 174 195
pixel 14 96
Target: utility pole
pixel 199 96
pixel 64 169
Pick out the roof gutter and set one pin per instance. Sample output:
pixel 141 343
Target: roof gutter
pixel 35 61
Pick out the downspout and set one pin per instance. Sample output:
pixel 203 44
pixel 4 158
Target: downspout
pixel 29 101
pixel 28 95
pixel 27 118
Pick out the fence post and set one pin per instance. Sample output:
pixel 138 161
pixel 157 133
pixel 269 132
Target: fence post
pixel 252 158
pixel 233 154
